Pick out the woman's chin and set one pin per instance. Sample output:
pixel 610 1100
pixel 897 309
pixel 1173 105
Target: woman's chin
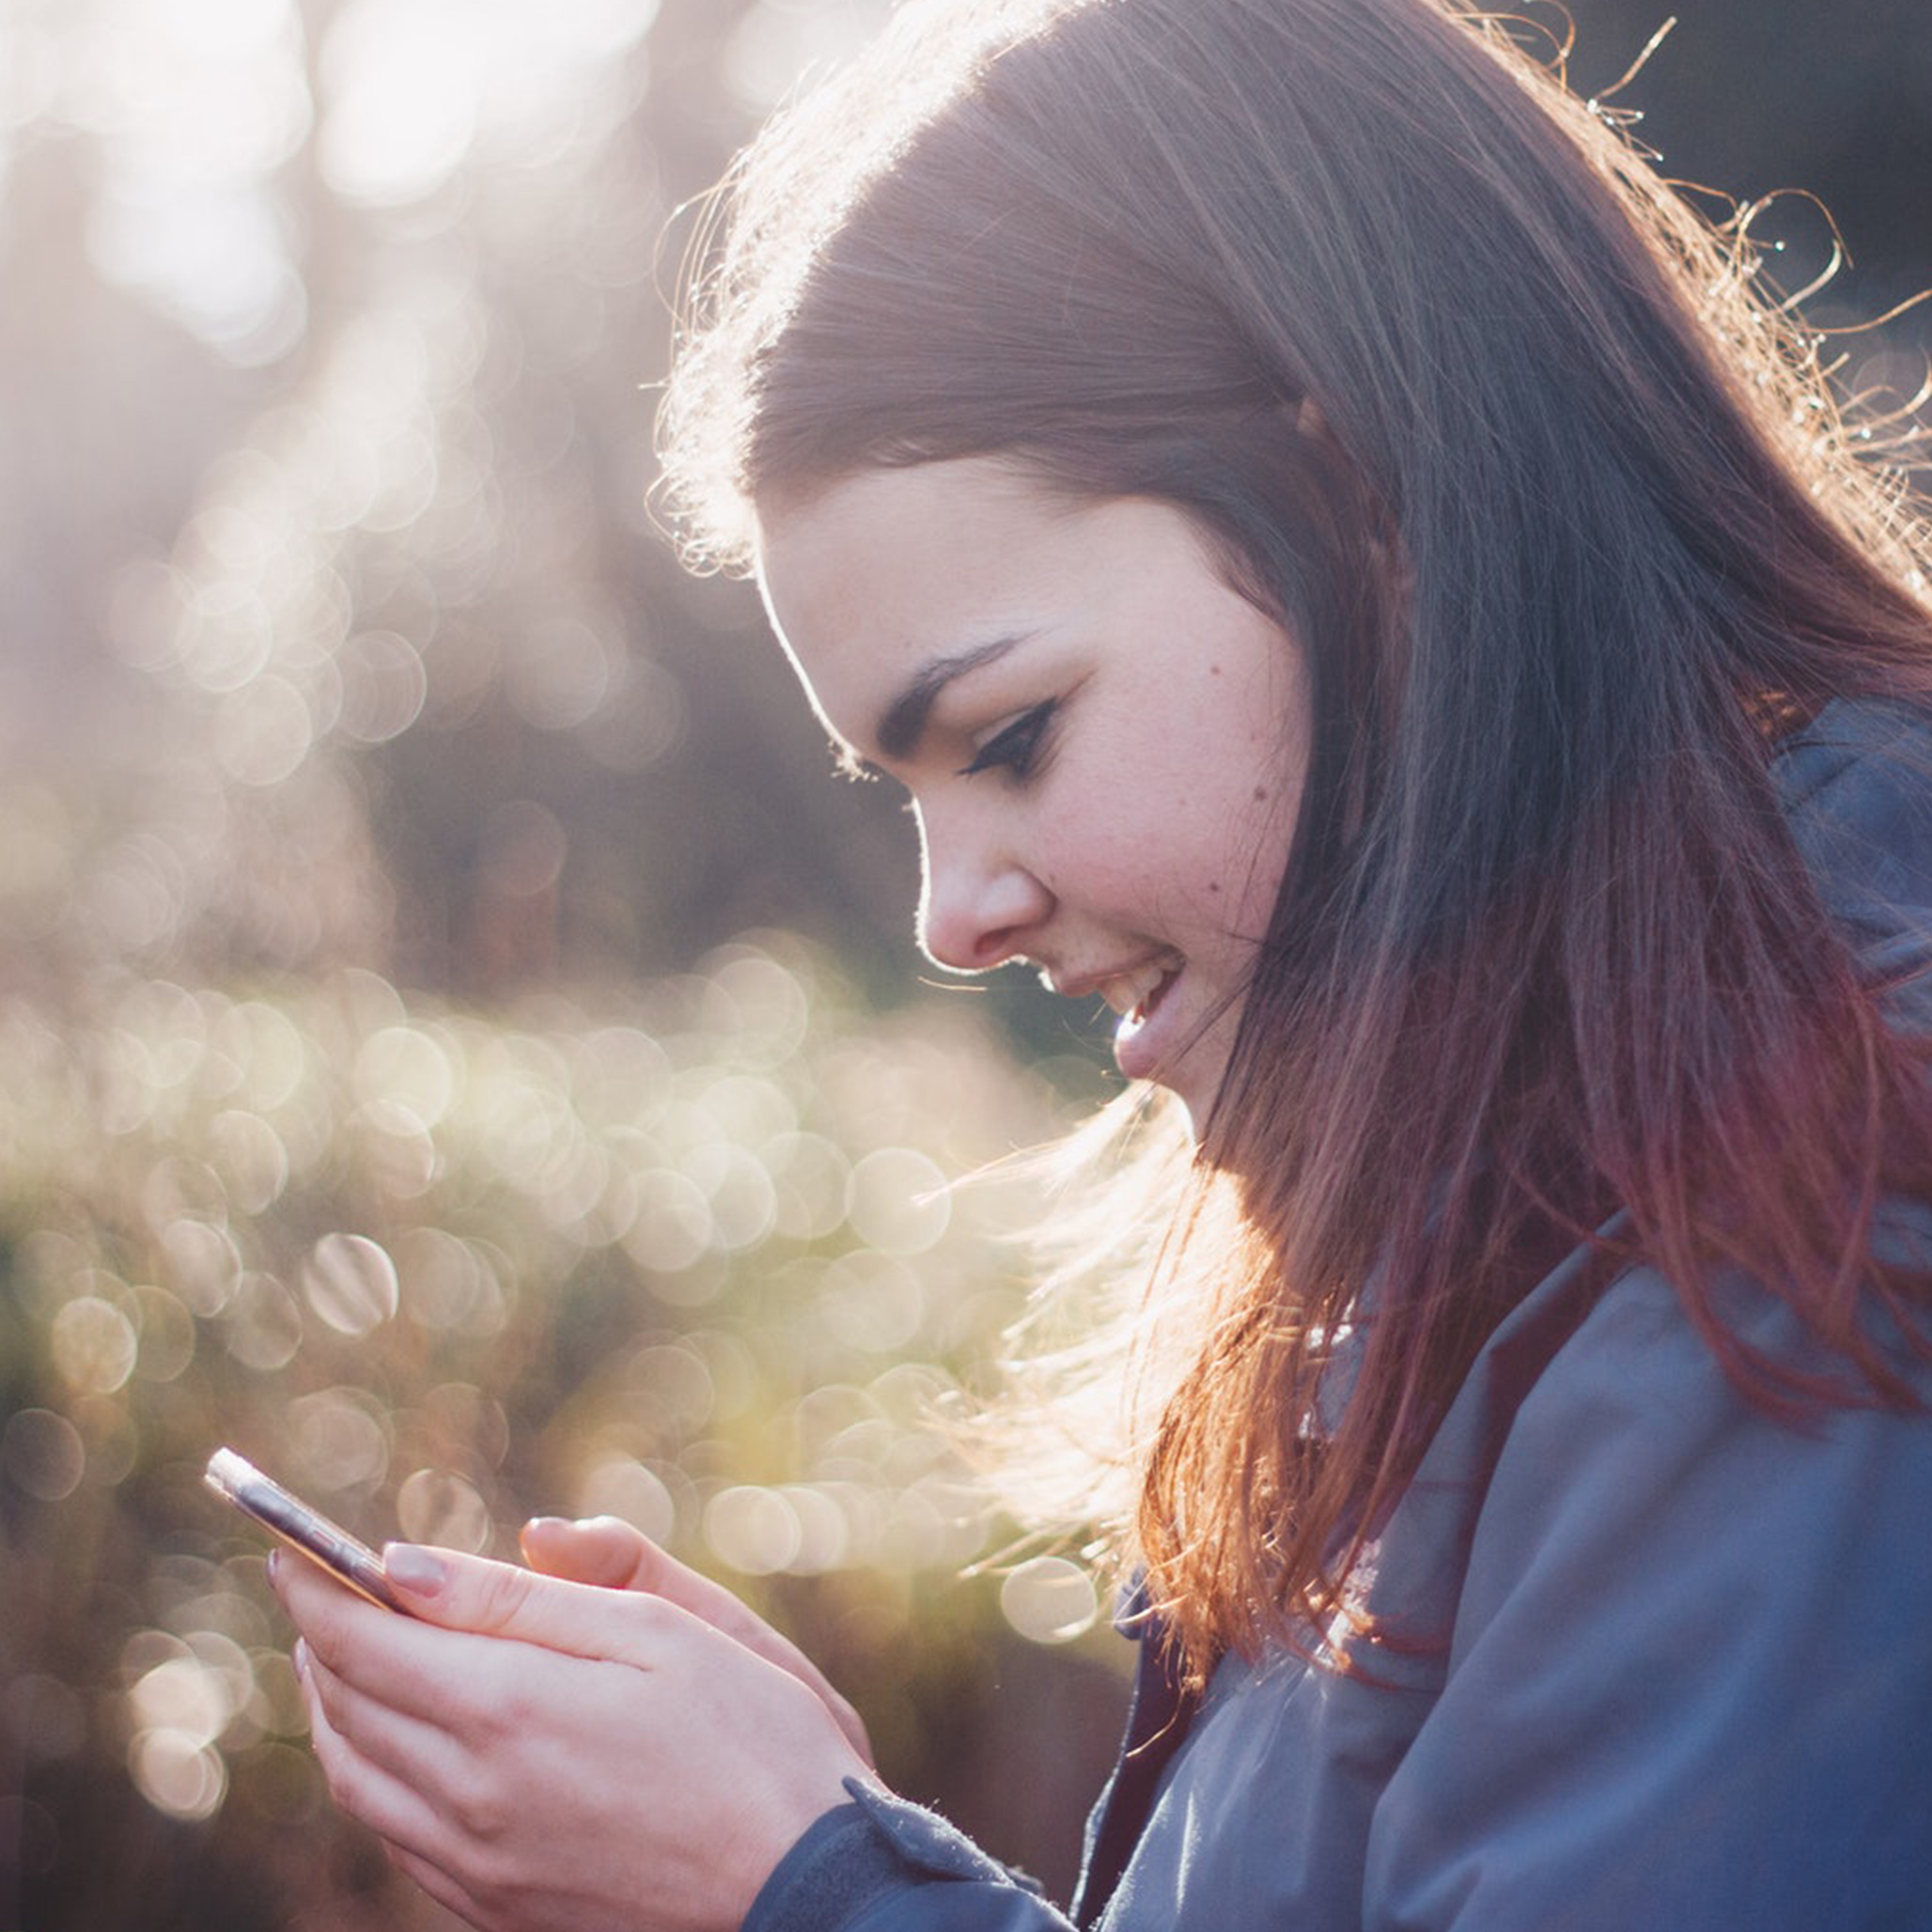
pixel 1192 1077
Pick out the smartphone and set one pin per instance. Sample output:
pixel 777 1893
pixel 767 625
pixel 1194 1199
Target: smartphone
pixel 304 1529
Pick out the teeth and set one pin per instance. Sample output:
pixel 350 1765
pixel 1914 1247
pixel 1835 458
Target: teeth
pixel 1129 993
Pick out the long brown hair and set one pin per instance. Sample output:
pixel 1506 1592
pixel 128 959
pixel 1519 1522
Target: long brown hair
pixel 1565 516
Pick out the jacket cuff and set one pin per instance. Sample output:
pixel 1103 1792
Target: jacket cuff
pixel 856 1854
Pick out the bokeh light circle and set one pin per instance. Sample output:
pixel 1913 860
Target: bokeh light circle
pixel 350 1282
pixel 95 1345
pixel 754 1530
pixel 437 1506
pixel 897 1201
pixel 178 1773
pixel 43 1455
pixel 1050 1600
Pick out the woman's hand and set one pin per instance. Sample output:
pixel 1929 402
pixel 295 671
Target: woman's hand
pixel 606 1550
pixel 543 1754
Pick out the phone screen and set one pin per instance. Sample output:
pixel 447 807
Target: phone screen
pixel 304 1529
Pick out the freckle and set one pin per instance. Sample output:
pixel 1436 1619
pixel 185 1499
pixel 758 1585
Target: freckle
pixel 1214 885
pixel 1261 794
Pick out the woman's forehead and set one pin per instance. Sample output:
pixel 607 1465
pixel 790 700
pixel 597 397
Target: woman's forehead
pixel 889 583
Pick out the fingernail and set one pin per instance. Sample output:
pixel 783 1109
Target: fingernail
pixel 300 1658
pixel 548 1523
pixel 274 1564
pixel 415 1569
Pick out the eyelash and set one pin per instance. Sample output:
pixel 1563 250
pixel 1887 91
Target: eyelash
pixel 1015 750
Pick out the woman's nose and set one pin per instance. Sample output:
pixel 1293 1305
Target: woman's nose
pixel 977 907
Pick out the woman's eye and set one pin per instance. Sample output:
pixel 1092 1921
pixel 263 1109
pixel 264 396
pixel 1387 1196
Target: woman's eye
pixel 1015 750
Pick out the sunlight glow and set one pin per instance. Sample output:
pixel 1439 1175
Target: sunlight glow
pixel 411 85
pixel 199 103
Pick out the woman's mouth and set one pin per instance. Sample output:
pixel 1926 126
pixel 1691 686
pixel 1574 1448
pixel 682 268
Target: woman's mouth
pixel 1135 995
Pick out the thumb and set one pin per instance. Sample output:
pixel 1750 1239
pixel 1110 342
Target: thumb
pixel 607 1550
pixel 600 1549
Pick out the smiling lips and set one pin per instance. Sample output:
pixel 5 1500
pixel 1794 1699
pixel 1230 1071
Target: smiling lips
pixel 1134 995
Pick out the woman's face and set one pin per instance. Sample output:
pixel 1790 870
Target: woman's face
pixel 1103 741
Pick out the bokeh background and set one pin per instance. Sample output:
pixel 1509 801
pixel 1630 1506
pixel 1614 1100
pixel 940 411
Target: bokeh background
pixel 456 1045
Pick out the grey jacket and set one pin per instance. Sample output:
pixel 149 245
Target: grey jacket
pixel 1686 1674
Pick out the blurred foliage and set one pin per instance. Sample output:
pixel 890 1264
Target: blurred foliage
pixel 454 1045
pixel 689 1258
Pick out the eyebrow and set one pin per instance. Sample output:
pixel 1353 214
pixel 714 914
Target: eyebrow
pixel 902 724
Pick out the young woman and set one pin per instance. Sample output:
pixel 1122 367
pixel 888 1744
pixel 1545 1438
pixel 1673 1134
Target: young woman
pixel 1352 571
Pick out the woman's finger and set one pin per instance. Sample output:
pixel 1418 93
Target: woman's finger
pixel 446 1890
pixel 415 1789
pixel 417 1752
pixel 625 1558
pixel 400 1661
pixel 485 1599
pixel 361 1783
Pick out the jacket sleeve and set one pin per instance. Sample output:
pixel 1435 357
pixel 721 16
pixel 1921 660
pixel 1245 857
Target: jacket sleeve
pixel 1689 1681
pixel 882 1864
